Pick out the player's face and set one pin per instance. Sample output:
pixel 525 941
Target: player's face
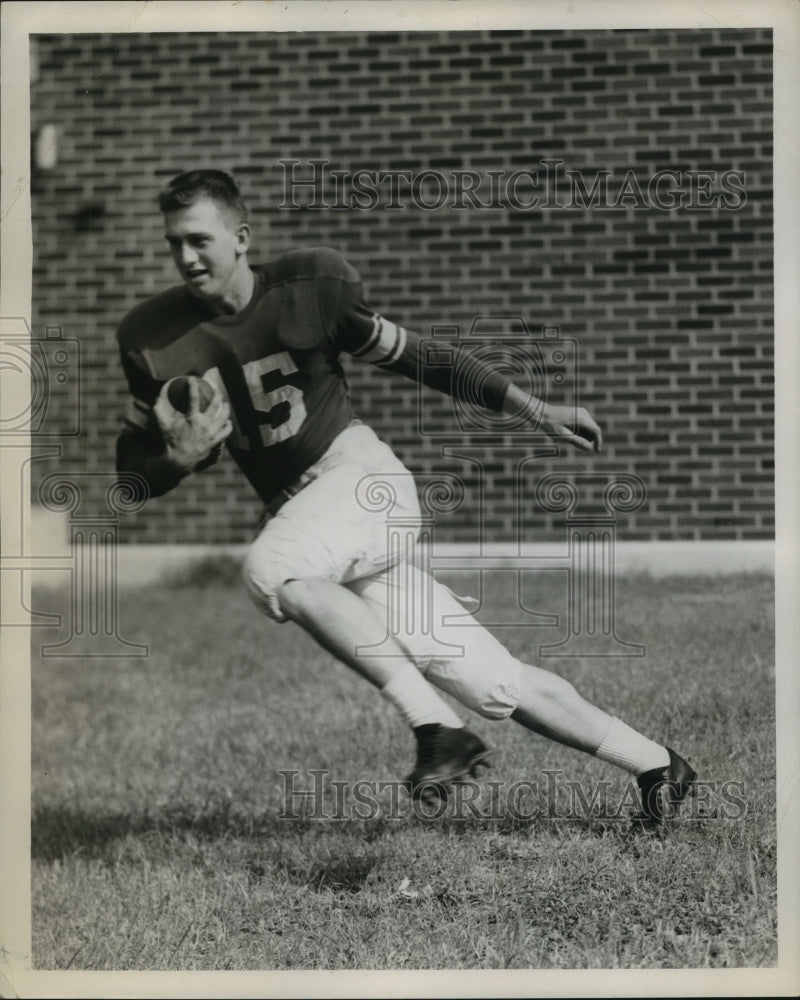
pixel 208 246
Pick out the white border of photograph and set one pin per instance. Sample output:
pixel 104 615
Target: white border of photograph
pixel 19 20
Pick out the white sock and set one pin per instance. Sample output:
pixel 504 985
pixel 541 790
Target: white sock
pixel 626 748
pixel 416 700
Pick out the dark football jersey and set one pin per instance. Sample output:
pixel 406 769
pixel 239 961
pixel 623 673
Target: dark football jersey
pixel 277 363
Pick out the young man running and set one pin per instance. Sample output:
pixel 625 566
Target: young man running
pixel 268 338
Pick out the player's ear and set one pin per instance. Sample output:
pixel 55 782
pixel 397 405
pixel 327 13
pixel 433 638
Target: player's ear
pixel 242 238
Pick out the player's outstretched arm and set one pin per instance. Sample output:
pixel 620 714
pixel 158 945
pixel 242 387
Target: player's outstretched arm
pixel 573 425
pixel 371 337
pixel 398 349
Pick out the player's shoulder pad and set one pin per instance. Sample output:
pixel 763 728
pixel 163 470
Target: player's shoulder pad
pixel 159 311
pixel 314 262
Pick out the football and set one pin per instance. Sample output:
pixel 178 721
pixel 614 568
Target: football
pixel 179 393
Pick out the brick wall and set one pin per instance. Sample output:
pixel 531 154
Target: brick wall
pixel 671 311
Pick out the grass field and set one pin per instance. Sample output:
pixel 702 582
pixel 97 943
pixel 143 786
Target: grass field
pixel 158 841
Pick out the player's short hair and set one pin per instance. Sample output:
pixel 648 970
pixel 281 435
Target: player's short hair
pixel 190 186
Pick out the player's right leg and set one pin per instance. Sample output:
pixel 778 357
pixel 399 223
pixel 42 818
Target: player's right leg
pixel 461 657
pixel 551 706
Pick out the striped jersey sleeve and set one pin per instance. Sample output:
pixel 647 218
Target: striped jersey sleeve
pixel 137 415
pixel 143 393
pixel 385 344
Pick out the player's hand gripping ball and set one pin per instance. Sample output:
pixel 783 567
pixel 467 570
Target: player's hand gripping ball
pixel 179 393
pixel 193 433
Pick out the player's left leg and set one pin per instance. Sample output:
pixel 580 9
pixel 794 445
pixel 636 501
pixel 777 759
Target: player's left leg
pixel 325 535
pixel 343 625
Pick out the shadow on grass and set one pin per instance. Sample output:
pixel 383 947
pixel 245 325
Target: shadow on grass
pixel 58 831
pixel 344 873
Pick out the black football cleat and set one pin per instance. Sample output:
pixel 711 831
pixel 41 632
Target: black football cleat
pixel 444 756
pixel 664 788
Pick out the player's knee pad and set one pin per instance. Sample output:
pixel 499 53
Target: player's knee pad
pixel 492 689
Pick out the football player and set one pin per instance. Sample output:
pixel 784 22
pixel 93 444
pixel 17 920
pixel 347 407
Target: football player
pixel 268 339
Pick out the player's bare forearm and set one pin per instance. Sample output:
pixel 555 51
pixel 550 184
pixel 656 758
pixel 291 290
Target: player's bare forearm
pixel 572 425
